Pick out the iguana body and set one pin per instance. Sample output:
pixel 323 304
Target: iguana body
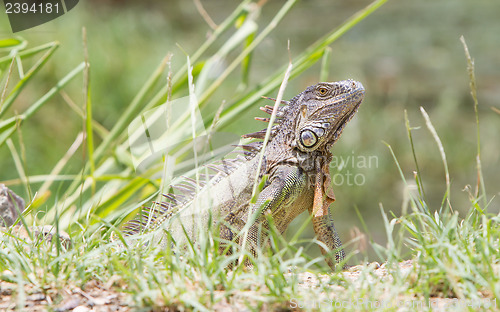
pixel 295 161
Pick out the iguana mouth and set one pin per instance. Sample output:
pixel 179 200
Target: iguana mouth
pixel 347 117
pixel 359 93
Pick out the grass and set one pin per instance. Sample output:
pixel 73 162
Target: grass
pixel 453 257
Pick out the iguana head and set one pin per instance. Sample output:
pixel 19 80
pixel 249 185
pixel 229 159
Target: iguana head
pixel 309 124
pixel 322 111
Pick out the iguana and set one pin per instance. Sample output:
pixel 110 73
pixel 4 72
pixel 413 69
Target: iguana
pixel 295 162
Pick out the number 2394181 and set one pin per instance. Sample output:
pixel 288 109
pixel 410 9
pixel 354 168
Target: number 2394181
pixel 35 8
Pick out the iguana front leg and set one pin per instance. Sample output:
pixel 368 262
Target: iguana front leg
pixel 323 222
pixel 279 199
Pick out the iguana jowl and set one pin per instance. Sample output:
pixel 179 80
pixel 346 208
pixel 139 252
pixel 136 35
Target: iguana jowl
pixel 295 160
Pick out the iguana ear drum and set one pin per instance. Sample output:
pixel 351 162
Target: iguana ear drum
pixel 308 138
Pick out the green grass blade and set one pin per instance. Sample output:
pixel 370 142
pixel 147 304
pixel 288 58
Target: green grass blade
pixel 325 64
pixel 114 202
pixel 9 43
pixel 89 129
pixel 27 53
pixel 4 91
pixel 418 177
pixel 7 127
pixel 473 92
pixel 131 111
pixel 432 130
pixel 270 27
pixel 29 75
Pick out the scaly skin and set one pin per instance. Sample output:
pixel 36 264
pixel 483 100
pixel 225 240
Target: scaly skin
pixel 296 162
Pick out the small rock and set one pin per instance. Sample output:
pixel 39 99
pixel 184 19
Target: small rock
pixel 48 232
pixel 81 308
pixel 69 305
pixel 36 297
pixel 11 206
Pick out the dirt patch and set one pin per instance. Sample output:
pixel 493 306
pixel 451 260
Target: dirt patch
pixel 93 297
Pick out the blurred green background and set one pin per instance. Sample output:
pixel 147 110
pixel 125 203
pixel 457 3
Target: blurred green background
pixel 407 54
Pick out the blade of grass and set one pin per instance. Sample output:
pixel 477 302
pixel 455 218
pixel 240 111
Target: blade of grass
pixel 9 125
pixel 99 128
pixel 40 179
pixel 253 199
pixel 325 64
pixel 28 52
pixel 418 174
pixel 181 75
pixel 9 43
pixel 411 197
pixel 29 75
pixel 270 27
pixel 79 186
pixel 24 162
pixel 120 197
pixel 473 92
pixel 61 163
pixel 131 111
pixel 245 64
pixel 222 28
pixel 193 107
pixel 4 92
pixel 19 166
pixel 242 35
pixel 88 128
pixel 432 130
pixel 277 103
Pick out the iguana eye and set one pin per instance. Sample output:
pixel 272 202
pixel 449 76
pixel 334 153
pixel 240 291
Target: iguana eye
pixel 323 91
pixel 308 138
